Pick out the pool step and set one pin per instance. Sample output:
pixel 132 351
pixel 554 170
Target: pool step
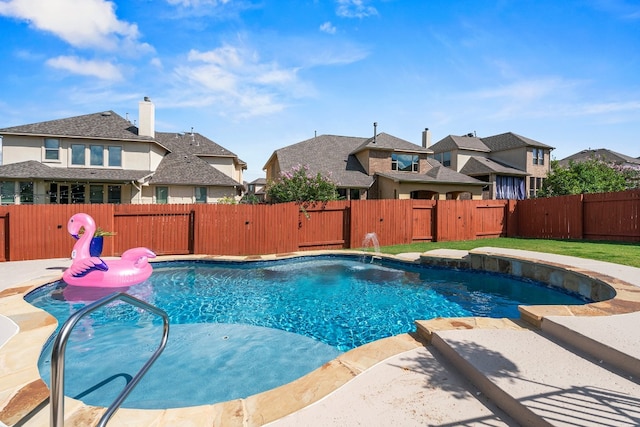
pixel 612 339
pixel 539 382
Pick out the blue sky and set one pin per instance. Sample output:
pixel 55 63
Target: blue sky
pixel 255 76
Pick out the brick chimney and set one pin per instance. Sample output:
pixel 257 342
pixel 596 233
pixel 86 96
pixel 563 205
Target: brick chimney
pixel 426 138
pixel 146 118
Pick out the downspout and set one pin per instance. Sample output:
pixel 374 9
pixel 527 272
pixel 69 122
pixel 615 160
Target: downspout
pixel 137 184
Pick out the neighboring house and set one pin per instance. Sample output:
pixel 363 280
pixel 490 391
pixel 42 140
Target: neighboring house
pixel 604 155
pixel 104 158
pixel 257 188
pixel 512 166
pixel 379 167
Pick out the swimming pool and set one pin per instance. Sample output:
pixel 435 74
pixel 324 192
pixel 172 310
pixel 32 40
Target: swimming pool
pixel 241 328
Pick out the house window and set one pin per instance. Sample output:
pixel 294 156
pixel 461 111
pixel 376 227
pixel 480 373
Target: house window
pixel 532 187
pixel 538 156
pixel 162 195
pixel 51 149
pixel 342 193
pixel 96 194
pixel 446 158
pixel 510 187
pixel 114 194
pixel 77 193
pixel 53 193
pixel 97 155
pixel 77 154
pixel 26 193
pixel 354 194
pixel 201 194
pixel 404 162
pixel 115 156
pixel 7 191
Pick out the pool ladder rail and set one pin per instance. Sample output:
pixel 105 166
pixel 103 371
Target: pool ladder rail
pixel 59 346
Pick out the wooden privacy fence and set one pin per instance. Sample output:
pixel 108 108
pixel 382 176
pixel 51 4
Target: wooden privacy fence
pixel 603 216
pixel 40 231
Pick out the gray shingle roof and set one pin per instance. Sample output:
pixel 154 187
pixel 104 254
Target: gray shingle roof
pixel 477 166
pixel 105 125
pixel 329 155
pixel 600 153
pixel 181 168
pixel 194 144
pixel 336 155
pixel 386 142
pixel 442 173
pixel 510 140
pixel 453 142
pixel 32 169
pixel 437 175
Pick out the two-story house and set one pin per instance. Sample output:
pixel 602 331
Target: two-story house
pixel 379 167
pixel 104 158
pixel 512 166
pixel 256 189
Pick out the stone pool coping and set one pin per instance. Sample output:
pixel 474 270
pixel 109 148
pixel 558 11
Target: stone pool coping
pixel 23 393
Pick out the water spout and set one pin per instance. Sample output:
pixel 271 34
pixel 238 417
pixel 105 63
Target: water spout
pixel 371 241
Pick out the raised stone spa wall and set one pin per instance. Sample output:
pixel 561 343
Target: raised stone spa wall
pixel 559 276
pixel 610 295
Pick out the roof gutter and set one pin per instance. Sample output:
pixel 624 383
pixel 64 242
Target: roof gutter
pixel 139 183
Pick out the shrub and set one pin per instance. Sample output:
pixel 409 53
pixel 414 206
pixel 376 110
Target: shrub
pixel 299 185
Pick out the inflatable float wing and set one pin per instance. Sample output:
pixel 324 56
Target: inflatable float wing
pixel 132 268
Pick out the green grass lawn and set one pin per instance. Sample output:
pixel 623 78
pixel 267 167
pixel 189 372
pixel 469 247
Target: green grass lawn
pixel 617 252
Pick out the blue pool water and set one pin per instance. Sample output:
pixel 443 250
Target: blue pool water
pixel 238 329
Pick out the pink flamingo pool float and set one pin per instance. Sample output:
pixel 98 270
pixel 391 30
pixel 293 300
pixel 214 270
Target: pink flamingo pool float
pixel 86 270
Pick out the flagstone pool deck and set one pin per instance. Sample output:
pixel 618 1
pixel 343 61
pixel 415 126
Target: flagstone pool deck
pixel 555 365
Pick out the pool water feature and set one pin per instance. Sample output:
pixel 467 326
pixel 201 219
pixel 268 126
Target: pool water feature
pixel 241 328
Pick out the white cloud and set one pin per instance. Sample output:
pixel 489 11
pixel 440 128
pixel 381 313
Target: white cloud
pixel 84 24
pixel 524 91
pixel 328 28
pixel 237 79
pixel 611 107
pixel 553 98
pixel 100 69
pixel 156 62
pixel 196 3
pixel 355 9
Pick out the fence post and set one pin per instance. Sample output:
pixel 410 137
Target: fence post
pixel 581 222
pixel 192 231
pixel 511 217
pixel 436 221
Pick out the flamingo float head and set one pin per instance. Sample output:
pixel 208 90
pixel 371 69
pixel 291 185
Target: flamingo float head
pixel 79 220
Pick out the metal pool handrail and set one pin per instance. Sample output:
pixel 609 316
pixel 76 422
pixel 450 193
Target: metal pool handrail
pixel 60 344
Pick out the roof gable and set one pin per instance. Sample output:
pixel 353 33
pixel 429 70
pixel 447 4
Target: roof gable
pixel 453 142
pixel 192 143
pixel 386 142
pixel 510 140
pixel 476 166
pixel 329 155
pixel 179 168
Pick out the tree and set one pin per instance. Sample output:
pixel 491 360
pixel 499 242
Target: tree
pixel 589 176
pixel 298 185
